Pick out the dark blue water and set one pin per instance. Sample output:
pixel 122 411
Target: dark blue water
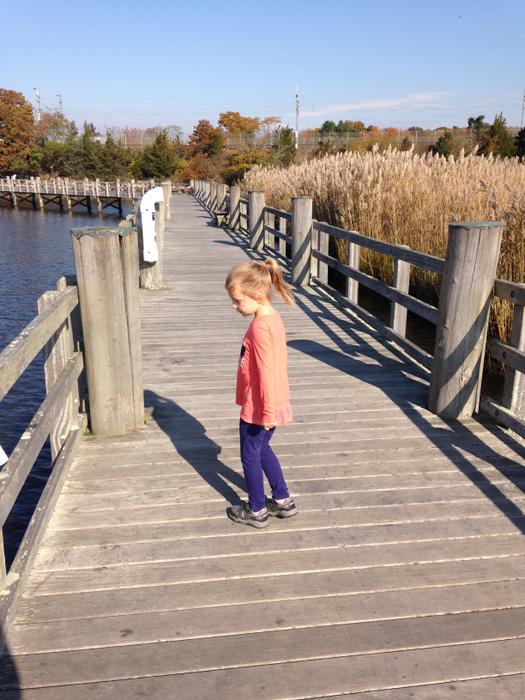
pixel 35 250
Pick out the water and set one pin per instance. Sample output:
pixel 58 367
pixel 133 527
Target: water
pixel 35 251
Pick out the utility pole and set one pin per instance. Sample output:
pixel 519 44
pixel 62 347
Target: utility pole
pixel 60 105
pixel 296 118
pixel 38 106
pixel 522 110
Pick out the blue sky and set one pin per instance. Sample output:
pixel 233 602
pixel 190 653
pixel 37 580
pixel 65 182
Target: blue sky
pixel 400 64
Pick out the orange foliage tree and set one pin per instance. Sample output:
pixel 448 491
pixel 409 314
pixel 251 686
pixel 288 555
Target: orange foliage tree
pixel 16 131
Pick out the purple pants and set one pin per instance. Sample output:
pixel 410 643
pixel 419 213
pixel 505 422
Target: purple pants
pixel 257 457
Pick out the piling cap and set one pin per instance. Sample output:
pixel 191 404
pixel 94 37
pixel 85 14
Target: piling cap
pixel 477 224
pixel 102 231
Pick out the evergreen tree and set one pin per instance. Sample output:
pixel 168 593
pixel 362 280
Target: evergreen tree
pixel 115 161
pixel 519 143
pixel 284 149
pixel 158 160
pixel 497 139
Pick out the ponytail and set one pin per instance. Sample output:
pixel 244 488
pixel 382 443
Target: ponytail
pixel 258 278
pixel 278 281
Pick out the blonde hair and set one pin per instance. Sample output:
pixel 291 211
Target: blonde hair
pixel 256 279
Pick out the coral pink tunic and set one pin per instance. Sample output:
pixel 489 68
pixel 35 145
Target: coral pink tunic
pixel 262 376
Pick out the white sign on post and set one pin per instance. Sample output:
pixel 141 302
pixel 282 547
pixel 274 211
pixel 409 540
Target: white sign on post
pixel 150 251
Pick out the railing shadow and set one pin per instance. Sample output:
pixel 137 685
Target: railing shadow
pixel 189 438
pixel 455 440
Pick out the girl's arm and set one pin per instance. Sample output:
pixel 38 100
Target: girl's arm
pixel 263 352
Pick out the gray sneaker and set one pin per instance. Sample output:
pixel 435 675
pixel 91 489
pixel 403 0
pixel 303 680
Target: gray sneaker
pixel 244 515
pixel 281 510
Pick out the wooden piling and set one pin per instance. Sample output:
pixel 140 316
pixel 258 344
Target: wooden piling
pixel 301 240
pixel 235 195
pixel 107 270
pixel 464 303
pixel 256 219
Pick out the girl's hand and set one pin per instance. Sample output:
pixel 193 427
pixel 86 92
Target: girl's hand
pixel 268 426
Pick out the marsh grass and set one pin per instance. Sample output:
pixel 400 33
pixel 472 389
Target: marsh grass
pixel 409 199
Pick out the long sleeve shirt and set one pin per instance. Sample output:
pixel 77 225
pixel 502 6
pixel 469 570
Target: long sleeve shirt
pixel 262 375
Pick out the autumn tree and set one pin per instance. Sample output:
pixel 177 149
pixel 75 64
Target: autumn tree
pixel 235 123
pixel 16 132
pixel 206 139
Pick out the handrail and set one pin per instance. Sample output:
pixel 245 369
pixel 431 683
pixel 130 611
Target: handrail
pixel 428 262
pixel 75 188
pixel 421 308
pixel 57 417
pixel 25 347
pixel 17 469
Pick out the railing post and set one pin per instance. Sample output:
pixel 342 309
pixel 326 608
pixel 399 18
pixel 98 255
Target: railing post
pixel 514 388
pixel 301 240
pixel 207 191
pixel 283 227
pixel 464 304
pixel 166 186
pixel 221 196
pixel 57 352
pixel 269 239
pixel 213 196
pixel 352 286
pixel 323 245
pixel 235 195
pixel 398 313
pixel 106 261
pixel 256 219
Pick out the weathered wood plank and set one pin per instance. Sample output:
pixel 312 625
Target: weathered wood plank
pixel 91 665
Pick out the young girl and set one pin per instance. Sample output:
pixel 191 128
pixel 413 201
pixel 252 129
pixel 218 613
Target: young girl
pixel 262 390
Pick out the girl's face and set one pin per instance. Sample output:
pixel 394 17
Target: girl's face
pixel 244 304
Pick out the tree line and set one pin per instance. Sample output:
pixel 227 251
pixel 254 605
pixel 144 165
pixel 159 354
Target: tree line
pixel 53 146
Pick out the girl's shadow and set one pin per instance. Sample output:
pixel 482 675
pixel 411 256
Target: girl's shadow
pixel 189 438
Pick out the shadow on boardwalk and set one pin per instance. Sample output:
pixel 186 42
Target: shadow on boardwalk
pixel 189 438
pixel 455 440
pixel 9 680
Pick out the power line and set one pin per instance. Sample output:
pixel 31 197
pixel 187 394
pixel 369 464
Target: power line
pixel 60 104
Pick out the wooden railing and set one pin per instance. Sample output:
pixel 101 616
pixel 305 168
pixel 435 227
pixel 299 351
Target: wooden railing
pixel 55 331
pixel 461 319
pixel 511 410
pixel 79 188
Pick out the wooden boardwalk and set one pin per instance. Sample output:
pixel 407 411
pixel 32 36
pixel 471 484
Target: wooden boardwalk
pixel 402 577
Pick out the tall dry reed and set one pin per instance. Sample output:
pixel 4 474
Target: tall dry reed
pixel 410 199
